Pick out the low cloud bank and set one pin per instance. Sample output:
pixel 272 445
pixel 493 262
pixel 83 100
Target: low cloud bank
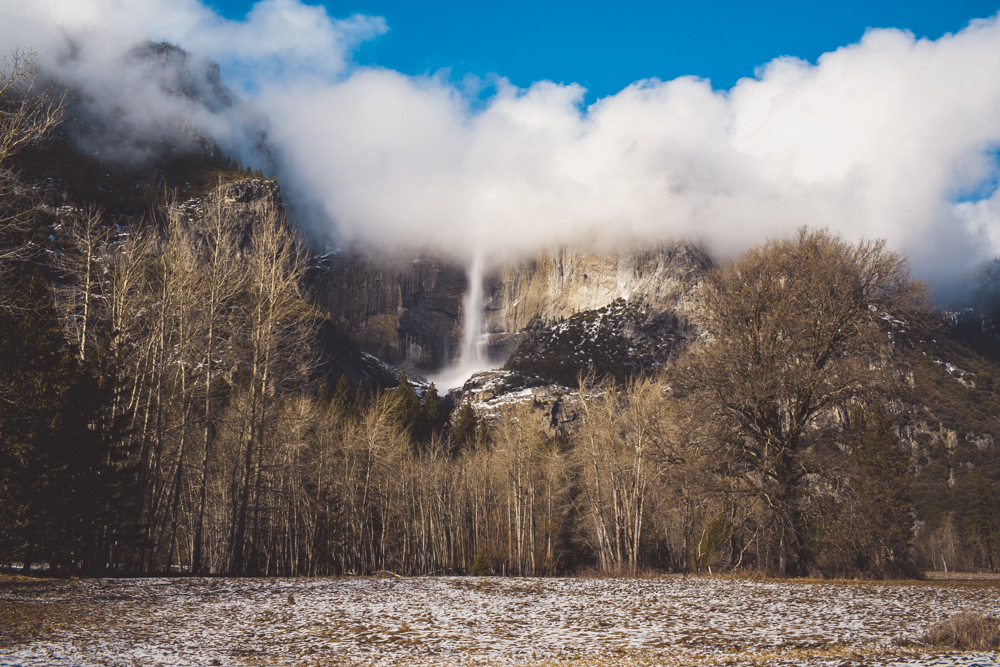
pixel 890 137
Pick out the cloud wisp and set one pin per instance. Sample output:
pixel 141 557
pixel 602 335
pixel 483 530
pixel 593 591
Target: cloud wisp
pixel 891 137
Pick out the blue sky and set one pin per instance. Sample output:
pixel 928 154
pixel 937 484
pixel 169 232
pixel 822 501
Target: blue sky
pixel 605 46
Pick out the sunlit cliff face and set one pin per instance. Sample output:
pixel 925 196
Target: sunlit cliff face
pixel 890 137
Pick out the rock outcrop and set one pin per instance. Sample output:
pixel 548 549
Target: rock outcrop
pixel 620 340
pixel 492 393
pixel 237 198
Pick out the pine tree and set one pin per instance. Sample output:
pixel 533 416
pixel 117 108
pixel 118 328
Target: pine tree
pixel 362 399
pixel 52 456
pixel 434 415
pixel 113 475
pixel 409 412
pixel 980 522
pixel 884 526
pixel 466 425
pixel 342 401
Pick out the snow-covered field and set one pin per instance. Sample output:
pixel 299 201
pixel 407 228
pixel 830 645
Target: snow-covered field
pixel 473 621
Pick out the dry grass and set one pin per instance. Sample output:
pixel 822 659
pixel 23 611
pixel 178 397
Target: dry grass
pixel 22 621
pixel 34 608
pixel 967 630
pixel 593 572
pixel 962 576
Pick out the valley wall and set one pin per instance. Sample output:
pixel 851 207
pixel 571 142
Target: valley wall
pixel 410 311
pixel 557 285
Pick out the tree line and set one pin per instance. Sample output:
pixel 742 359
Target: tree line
pixel 208 444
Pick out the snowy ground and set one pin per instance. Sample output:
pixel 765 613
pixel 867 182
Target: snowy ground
pixel 477 621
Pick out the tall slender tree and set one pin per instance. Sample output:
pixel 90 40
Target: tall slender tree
pixel 280 331
pixel 221 283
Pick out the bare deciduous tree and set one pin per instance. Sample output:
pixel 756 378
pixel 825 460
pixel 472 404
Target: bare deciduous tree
pixel 221 284
pixel 278 350
pixel 29 109
pixel 529 469
pixel 89 235
pixel 627 443
pixel 797 327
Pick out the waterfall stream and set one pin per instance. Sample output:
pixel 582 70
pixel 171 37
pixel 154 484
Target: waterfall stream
pixel 473 353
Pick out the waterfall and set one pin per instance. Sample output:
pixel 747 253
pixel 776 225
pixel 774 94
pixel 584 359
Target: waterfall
pixel 472 355
pixel 473 352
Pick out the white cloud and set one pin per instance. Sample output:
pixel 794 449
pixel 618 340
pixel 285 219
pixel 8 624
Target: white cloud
pixel 879 138
pixel 92 43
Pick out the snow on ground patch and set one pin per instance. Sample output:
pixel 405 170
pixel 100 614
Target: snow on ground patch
pixel 491 621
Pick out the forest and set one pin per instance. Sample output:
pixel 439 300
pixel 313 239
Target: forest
pixel 166 407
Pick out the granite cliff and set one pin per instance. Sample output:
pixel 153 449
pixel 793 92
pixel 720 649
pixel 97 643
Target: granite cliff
pixel 410 310
pixel 557 285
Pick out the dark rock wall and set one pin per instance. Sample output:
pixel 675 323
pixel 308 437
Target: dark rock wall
pixel 401 311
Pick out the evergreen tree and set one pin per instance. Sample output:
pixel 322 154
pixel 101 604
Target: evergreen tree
pixel 466 425
pixel 362 399
pixel 409 412
pixel 112 479
pixel 342 401
pixel 883 523
pixel 434 415
pixel 52 449
pixel 324 396
pixel 980 522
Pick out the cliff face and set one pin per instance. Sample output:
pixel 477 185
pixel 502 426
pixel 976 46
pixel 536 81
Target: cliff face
pixel 411 310
pixel 401 311
pixel 555 286
pixel 239 197
pixel 620 340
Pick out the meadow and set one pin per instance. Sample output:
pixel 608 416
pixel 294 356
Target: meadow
pixel 483 621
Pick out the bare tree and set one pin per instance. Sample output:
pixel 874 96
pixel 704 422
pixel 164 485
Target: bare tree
pixel 796 327
pixel 180 273
pixel 521 456
pixel 280 331
pixel 222 282
pixel 29 109
pixel 126 309
pixel 90 236
pixel 619 451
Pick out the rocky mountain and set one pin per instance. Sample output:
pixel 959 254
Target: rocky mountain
pixel 490 393
pixel 545 320
pixel 159 110
pixel 620 314
pixel 977 324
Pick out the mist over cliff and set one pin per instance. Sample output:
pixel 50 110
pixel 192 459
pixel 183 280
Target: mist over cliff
pixel 892 136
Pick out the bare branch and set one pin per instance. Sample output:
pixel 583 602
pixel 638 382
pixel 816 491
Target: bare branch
pixel 29 110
